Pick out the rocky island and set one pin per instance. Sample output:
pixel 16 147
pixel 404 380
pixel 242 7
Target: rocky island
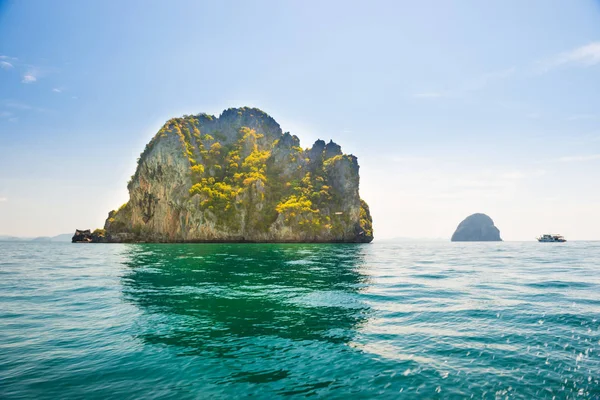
pixel 477 228
pixel 239 178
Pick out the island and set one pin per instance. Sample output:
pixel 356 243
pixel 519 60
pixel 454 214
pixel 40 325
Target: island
pixel 477 228
pixel 238 178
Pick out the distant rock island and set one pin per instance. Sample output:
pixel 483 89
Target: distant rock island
pixel 238 178
pixel 477 228
pixel 65 237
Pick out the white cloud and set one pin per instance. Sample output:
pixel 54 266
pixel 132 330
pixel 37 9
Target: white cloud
pixel 5 65
pixel 3 199
pixel 5 114
pixel 57 90
pixel 34 73
pixel 586 56
pixel 29 78
pixel 588 157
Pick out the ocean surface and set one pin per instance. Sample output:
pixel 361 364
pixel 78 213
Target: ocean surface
pixel 403 320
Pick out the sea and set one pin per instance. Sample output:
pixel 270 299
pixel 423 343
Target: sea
pixel 405 320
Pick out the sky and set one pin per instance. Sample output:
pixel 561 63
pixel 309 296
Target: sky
pixel 452 107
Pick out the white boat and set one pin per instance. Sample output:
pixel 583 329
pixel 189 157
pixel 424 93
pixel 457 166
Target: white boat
pixel 551 238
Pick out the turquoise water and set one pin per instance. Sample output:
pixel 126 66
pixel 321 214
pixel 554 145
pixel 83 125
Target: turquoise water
pixel 424 320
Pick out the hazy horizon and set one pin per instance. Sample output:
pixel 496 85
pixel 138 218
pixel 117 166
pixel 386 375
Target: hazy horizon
pixel 451 109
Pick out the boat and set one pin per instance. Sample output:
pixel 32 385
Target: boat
pixel 551 238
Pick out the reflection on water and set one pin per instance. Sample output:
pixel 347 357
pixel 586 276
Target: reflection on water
pixel 211 297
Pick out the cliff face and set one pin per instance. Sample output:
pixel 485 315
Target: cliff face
pixel 240 178
pixel 477 228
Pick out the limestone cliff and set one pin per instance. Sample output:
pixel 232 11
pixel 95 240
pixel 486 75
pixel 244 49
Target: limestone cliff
pixel 238 177
pixel 476 228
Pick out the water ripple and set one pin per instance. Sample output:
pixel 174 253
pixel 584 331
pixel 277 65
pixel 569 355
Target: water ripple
pixel 426 320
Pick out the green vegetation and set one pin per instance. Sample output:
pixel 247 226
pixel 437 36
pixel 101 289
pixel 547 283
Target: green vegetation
pixel 197 172
pixel 232 176
pixel 366 222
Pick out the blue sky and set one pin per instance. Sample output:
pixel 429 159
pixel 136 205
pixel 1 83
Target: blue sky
pixel 451 107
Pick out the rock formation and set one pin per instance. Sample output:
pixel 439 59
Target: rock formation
pixel 476 228
pixel 87 236
pixel 239 178
pixel 82 236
